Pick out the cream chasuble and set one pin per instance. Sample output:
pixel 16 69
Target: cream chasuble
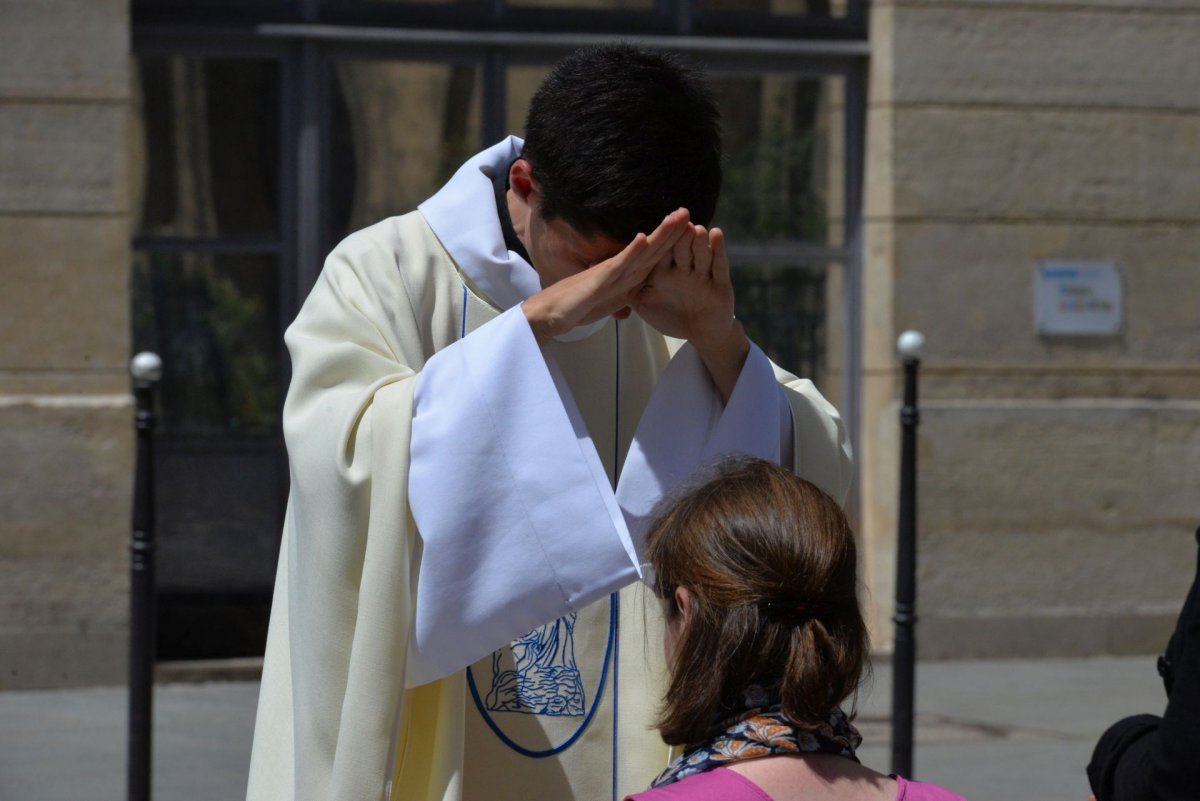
pixel 462 639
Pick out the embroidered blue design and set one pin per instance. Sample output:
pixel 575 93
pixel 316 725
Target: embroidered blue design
pixel 538 675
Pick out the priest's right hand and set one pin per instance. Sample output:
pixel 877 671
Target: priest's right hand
pixel 606 288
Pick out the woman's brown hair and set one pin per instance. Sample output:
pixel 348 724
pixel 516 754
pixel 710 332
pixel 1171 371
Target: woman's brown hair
pixel 771 566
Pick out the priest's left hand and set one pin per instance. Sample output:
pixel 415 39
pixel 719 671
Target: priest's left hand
pixel 689 296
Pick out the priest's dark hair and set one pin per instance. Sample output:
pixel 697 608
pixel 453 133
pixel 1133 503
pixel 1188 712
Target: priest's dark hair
pixel 619 136
pixel 769 563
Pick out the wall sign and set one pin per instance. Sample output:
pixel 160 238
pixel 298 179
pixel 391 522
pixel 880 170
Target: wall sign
pixel 1079 298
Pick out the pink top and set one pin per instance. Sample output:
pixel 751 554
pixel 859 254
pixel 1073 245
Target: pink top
pixel 723 784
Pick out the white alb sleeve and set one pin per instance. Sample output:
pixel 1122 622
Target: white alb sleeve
pixel 684 427
pixel 516 521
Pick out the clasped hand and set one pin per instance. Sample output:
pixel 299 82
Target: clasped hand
pixel 688 294
pixel 676 279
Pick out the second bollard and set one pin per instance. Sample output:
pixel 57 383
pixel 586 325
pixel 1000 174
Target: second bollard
pixel 904 654
pixel 146 370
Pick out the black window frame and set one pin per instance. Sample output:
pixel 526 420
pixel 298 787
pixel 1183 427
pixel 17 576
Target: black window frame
pixel 306 36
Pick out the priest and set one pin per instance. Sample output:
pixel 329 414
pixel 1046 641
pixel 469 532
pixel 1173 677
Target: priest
pixel 489 396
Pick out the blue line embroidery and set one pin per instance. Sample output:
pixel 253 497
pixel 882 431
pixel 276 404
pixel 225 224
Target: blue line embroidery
pixel 616 625
pixel 464 322
pixel 616 599
pixel 538 674
pixel 563 746
pixel 617 404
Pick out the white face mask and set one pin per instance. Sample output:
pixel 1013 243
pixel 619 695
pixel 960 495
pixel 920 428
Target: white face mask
pixel 583 331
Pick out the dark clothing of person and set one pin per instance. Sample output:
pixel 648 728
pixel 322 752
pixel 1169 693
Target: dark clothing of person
pixel 1148 758
pixel 511 241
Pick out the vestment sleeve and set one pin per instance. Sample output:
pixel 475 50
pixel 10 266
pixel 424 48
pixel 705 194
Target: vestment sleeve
pixel 774 415
pixel 333 675
pixel 770 414
pixel 517 522
pixel 820 444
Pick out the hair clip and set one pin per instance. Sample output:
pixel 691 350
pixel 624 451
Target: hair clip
pixel 798 609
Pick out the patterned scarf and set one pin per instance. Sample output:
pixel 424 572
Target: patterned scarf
pixel 759 731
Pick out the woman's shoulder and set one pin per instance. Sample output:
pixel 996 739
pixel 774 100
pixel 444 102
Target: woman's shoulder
pixel 720 784
pixel 908 790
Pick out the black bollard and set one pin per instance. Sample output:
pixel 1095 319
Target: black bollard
pixel 904 655
pixel 146 369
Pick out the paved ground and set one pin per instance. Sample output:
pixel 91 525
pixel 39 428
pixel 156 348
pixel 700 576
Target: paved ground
pixel 1003 730
pixel 993 730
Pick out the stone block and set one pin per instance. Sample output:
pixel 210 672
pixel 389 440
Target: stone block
pixel 878 288
pixel 1028 568
pixel 1062 636
pixel 877 463
pixel 879 191
pixel 1009 54
pixel 72 594
pixel 1039 510
pixel 1073 465
pixel 969 288
pixel 1046 164
pixel 65 486
pixel 35 660
pixel 1035 382
pixel 881 67
pixel 66 479
pixel 1175 463
pixel 65 306
pixel 77 49
pixel 63 158
pixel 63 381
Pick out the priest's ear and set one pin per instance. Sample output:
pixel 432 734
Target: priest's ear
pixel 520 179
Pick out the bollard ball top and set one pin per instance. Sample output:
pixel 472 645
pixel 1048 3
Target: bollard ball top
pixel 146 366
pixel 910 344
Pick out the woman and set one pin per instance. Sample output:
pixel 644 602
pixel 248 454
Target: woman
pixel 764 638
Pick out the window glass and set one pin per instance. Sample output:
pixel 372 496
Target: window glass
pixel 786 311
pixel 462 3
pixel 645 5
pixel 624 5
pixel 213 318
pixel 783 170
pixel 191 5
pixel 399 130
pixel 219 515
pixel 784 8
pixel 208 161
pixel 520 83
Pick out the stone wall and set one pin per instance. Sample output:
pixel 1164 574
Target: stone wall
pixel 1058 476
pixel 65 412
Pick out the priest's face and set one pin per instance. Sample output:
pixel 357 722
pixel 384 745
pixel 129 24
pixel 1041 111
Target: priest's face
pixel 556 248
pixel 559 251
